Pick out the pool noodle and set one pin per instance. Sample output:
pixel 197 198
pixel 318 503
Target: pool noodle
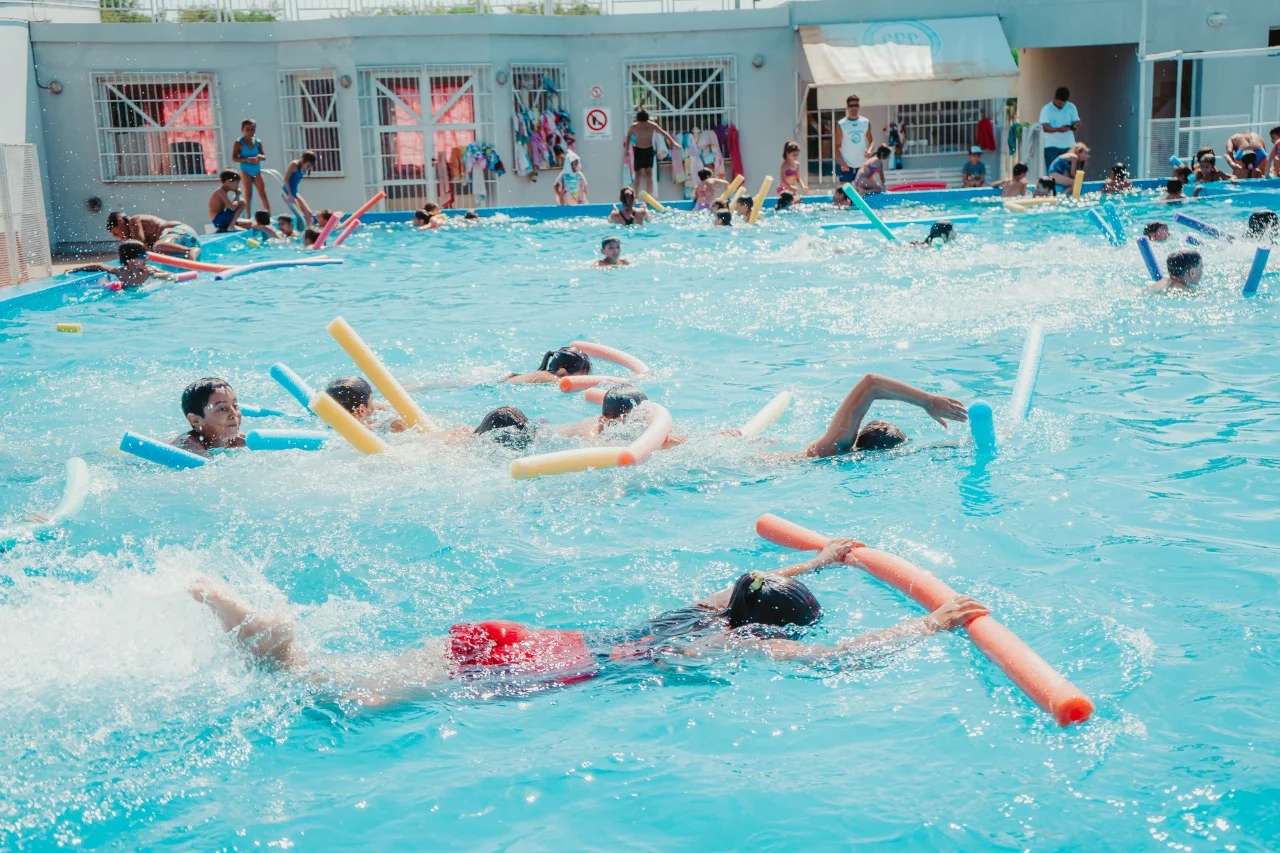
pixel 260 412
pixel 187 276
pixel 1202 227
pixel 1044 199
pixel 982 425
pixel 1149 258
pixel 565 462
pixel 653 202
pixel 378 374
pixel 1112 215
pixel 768 416
pixel 732 188
pixel 1079 183
pixel 293 383
pixel 570 384
pixel 1024 387
pixel 1260 256
pixel 352 225
pixel 74 491
pixel 185 263
pixel 608 353
pixel 285 439
pixel 236 272
pixel 354 221
pixel 594 395
pixel 1014 207
pixel 653 437
pixel 345 424
pixel 331 224
pixel 1175 161
pixel 159 452
pixel 1043 684
pixel 903 223
pixel 757 203
pixel 1096 219
pixel 861 203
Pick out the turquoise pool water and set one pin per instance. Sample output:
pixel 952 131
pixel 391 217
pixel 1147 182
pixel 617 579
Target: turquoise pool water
pixel 1127 532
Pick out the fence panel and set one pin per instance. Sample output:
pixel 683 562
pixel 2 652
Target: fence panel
pixel 24 234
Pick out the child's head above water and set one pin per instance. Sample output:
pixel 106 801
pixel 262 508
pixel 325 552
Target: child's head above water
pixel 611 248
pixel 1047 184
pixel 620 400
pixel 1185 266
pixel 508 426
pixel 1182 173
pixel 132 250
pixel 1156 231
pixel 940 230
pixel 353 393
pixel 262 217
pixel 210 407
pixel 879 435
pixel 744 205
pixel 1173 188
pixel 421 217
pixel 1120 172
pixel 763 599
pixel 310 236
pixel 1263 225
pixel 566 361
pixel 785 200
pixel 284 224
pixel 1020 170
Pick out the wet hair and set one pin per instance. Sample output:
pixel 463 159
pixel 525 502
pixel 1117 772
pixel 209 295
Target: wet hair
pixel 607 240
pixel 1152 227
pixel 1181 263
pixel 1262 223
pixel 879 435
pixel 196 395
pixel 283 218
pixel 1120 170
pixel 575 362
pixel 470 214
pixel 308 157
pixel 431 208
pixel 1048 184
pixel 747 200
pixel 703 174
pixel 724 217
pixel 840 198
pixel 621 399
pixel 248 122
pixel 324 216
pixel 1200 152
pixel 310 236
pixel 1020 169
pixel 509 427
pixel 421 215
pixel 1174 186
pixel 130 250
pixel 785 199
pixel 228 175
pixel 1182 173
pixel 761 599
pixel 1062 93
pixel 719 205
pixel 942 229
pixel 642 114
pixel 626 195
pixel 351 392
pixel 790 146
pixel 262 217
pixel 117 218
pixel 883 151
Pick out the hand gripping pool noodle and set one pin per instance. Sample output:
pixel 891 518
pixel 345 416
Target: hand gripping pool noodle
pixel 1024 387
pixel 184 263
pixel 768 416
pixel 565 462
pixel 1259 266
pixel 982 425
pixel 861 203
pixel 1112 214
pixel 903 223
pixel 326 231
pixel 236 272
pixel 74 492
pixel 381 378
pixel 293 383
pixel 757 202
pixel 617 356
pixel 1149 258
pixel 352 225
pixel 1096 219
pixel 653 202
pixel 1202 227
pixel 285 439
pixel 651 439
pixel 732 188
pixel 570 384
pixel 1038 680
pixel 345 424
pixel 159 452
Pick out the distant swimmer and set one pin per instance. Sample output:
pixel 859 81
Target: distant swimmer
pixel 623 404
pixel 611 249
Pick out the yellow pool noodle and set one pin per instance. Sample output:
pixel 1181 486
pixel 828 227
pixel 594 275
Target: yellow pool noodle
pixel 768 416
pixel 732 188
pixel 69 327
pixel 381 378
pixel 737 194
pixel 1014 207
pixel 1045 199
pixel 345 424
pixel 1075 190
pixel 758 201
pixel 565 462
pixel 652 202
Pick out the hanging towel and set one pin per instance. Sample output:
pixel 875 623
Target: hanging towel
pixel 735 150
pixel 629 163
pixel 986 134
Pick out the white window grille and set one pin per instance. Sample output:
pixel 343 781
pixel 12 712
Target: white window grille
pixel 943 127
pixel 416 123
pixel 821 141
pixel 530 98
pixel 24 236
pixel 684 95
pixel 309 112
pixel 157 126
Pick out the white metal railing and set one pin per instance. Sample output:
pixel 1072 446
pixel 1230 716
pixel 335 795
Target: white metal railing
pixel 24 235
pixel 1171 137
pixel 250 11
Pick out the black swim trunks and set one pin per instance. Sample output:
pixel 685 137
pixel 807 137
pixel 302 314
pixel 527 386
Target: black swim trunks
pixel 644 157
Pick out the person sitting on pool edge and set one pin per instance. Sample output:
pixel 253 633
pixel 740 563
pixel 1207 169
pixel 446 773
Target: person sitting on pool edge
pixel 1156 232
pixel 760 612
pixel 565 361
pixel 355 394
pixel 210 407
pixel 1185 270
pixel 611 248
pixel 133 270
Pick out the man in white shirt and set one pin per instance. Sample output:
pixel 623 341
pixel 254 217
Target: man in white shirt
pixel 1059 120
pixel 854 139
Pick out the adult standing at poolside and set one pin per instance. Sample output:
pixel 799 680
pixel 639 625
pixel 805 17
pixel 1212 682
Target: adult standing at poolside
pixel 1059 120
pixel 639 138
pixel 855 140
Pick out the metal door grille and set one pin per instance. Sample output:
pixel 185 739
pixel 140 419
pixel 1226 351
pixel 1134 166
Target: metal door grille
pixel 944 127
pixel 684 95
pixel 309 113
pixel 157 126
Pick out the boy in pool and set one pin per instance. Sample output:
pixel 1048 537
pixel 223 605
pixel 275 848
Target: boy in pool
pixel 210 407
pixel 1156 232
pixel 942 230
pixel 1016 186
pixel 428 218
pixel 1185 270
pixel 1173 191
pixel 1118 181
pixel 1263 225
pixel 611 248
pixel 284 225
pixel 133 269
pixel 1045 187
pixel 223 208
pixel 166 236
pixel 722 216
pixel 709 189
pixel 310 236
pixel 619 403
pixel 355 395
pixel 262 224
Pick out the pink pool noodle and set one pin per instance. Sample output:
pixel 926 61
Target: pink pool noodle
pixel 326 231
pixel 570 384
pixel 184 263
pixel 617 356
pixel 651 439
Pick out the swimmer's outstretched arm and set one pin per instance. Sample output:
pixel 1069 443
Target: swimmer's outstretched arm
pixel 844 427
pixel 835 552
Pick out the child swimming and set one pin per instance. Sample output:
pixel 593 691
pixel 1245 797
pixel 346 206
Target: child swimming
pixel 355 394
pixel 211 409
pixel 1185 270
pixel 133 269
pixel 1156 232
pixel 611 248
pixel 429 217
pixel 166 236
pixel 626 213
pixel 1016 186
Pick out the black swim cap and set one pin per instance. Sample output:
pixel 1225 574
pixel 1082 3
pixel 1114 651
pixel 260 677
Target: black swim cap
pixel 621 399
pixel 760 599
pixel 509 427
pixel 942 228
pixel 575 362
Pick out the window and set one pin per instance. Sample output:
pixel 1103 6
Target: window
pixel 1273 37
pixel 944 127
pixel 535 90
pixel 157 126
pixel 309 111
pixel 424 131
pixel 684 95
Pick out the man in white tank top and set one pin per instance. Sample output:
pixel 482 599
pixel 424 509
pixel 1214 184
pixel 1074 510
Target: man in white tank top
pixel 854 140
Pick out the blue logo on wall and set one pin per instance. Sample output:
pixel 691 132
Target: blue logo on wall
pixel 910 33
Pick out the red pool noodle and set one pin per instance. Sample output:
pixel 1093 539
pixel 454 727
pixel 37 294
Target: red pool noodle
pixel 352 225
pixel 918 185
pixel 326 231
pixel 188 276
pixel 353 222
pixel 570 384
pixel 185 263
pixel 1041 682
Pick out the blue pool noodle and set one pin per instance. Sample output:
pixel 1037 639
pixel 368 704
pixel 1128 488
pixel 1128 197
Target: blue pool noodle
pixel 1202 227
pixel 1149 258
pixel 1260 256
pixel 285 439
pixel 260 412
pixel 159 452
pixel 1174 161
pixel 1112 214
pixel 1024 387
pixel 1096 219
pixel 982 424
pixel 293 383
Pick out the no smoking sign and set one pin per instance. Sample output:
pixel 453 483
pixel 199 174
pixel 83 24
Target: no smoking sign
pixel 598 123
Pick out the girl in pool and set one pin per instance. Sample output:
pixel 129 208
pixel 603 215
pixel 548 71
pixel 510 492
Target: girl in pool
pixel 791 182
pixel 759 613
pixel 565 361
pixel 626 213
pixel 571 186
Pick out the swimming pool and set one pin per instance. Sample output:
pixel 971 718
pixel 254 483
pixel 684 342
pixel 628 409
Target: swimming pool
pixel 1127 532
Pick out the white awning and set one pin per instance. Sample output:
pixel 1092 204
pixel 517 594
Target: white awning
pixel 910 62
